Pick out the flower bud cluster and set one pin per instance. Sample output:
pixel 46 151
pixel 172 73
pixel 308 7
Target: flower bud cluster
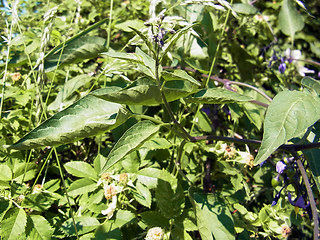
pixel 289 57
pixel 230 153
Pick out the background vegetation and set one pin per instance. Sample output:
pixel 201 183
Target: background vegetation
pixel 194 119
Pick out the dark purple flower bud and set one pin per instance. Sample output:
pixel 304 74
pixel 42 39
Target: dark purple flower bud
pixel 276 198
pixel 206 110
pixel 280 167
pixel 318 74
pixel 282 68
pixel 274 57
pixel 172 31
pixel 161 43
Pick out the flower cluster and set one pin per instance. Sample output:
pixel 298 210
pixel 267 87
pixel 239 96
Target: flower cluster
pixel 112 185
pixel 230 153
pixel 289 57
pixel 155 233
pixel 287 170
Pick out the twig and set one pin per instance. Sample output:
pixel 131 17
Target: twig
pixel 310 195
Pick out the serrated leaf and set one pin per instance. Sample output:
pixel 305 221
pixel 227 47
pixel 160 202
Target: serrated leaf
pixel 157 143
pixel 81 169
pixel 13 224
pixel 214 219
pixel 41 229
pixel 148 95
pixel 290 21
pixel 312 84
pixel 169 201
pixel 87 117
pixel 143 195
pixel 179 75
pixel 68 89
pixel 133 138
pixel 130 57
pixel 38 201
pixel 150 176
pixel 217 96
pixel 81 186
pixel 79 49
pixel 84 224
pixel 154 219
pixel 288 116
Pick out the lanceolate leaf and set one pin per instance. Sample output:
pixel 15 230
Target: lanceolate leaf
pixel 144 38
pixel 290 21
pixel 148 94
pixel 214 219
pixel 217 96
pixel 41 229
pixel 13 224
pixel 288 116
pixel 133 138
pixel 87 117
pixel 85 47
pixel 81 169
pixel 179 75
pixel 130 57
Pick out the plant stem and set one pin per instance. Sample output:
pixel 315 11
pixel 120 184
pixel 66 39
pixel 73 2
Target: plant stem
pixel 109 25
pixel 66 191
pixel 310 195
pixel 205 84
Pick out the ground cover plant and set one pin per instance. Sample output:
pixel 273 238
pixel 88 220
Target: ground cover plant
pixel 194 119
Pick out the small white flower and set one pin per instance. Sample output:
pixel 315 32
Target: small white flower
pixel 303 70
pixel 112 207
pixel 155 233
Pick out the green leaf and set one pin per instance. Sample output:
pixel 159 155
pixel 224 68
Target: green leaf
pixel 84 224
pixel 217 96
pixel 86 47
pixel 214 219
pixel 125 26
pixel 144 38
pixel 179 75
pixel 5 172
pixel 311 84
pixel 143 195
pixel 130 57
pixel 133 138
pixel 81 169
pixel 170 199
pixel 154 219
pixel 288 116
pixel 81 186
pixel 68 89
pixel 244 8
pixel 173 39
pixel 13 224
pixel 87 117
pixel 38 201
pixel 41 229
pixel 148 94
pixel 290 21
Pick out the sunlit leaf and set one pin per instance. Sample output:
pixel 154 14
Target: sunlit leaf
pixel 312 84
pixel 290 21
pixel 148 94
pixel 81 169
pixel 41 229
pixel 288 116
pixel 84 224
pixel 214 219
pixel 143 195
pixel 77 50
pixel 81 186
pixel 179 75
pixel 13 224
pixel 130 57
pixel 87 117
pixel 217 96
pixel 133 138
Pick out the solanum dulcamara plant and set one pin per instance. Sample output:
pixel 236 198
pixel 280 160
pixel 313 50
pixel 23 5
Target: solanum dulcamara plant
pixel 190 119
